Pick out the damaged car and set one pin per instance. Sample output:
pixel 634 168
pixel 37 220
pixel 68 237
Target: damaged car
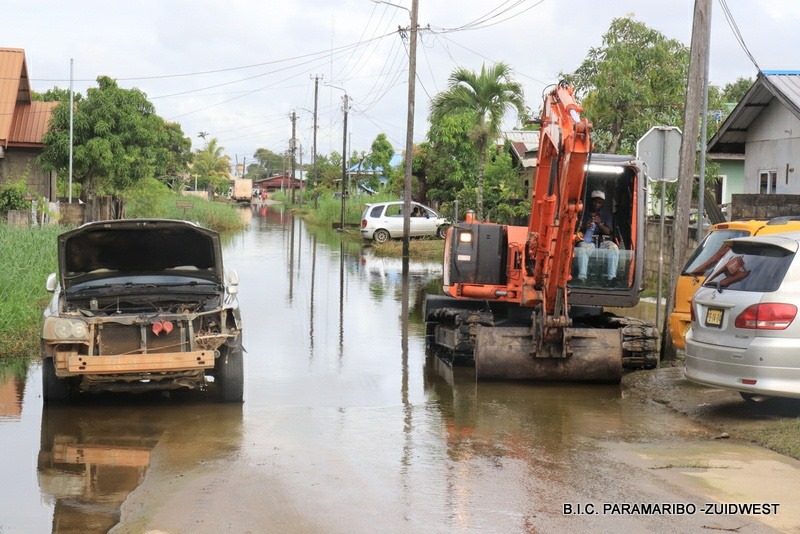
pixel 141 305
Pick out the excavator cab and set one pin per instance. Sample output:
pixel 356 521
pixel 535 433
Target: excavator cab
pixel 614 269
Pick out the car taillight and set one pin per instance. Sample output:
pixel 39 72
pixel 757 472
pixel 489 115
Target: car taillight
pixel 363 223
pixel 691 311
pixel 769 316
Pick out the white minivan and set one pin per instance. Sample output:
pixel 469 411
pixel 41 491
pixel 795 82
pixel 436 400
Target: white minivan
pixel 384 221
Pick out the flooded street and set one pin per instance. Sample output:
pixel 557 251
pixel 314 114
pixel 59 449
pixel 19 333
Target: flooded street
pixel 348 426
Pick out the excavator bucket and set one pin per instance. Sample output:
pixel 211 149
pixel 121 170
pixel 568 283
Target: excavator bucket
pixel 508 353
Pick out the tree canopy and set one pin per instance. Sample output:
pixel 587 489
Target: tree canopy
pixel 212 166
pixel 483 98
pixel 636 79
pixel 117 139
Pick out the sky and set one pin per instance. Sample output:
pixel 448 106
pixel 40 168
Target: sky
pixel 237 70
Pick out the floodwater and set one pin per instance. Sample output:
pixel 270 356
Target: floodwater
pixel 349 426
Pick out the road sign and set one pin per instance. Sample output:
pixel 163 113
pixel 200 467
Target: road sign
pixel 660 150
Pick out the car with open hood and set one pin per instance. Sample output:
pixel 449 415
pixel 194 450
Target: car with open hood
pixel 141 304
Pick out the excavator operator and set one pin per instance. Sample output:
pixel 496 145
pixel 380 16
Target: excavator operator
pixel 595 232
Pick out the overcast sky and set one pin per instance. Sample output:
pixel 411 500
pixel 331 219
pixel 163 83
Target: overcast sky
pixel 238 69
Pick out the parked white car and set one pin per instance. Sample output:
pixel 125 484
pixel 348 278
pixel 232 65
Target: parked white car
pixel 384 221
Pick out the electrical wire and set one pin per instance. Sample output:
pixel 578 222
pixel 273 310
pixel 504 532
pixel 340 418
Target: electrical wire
pixel 736 33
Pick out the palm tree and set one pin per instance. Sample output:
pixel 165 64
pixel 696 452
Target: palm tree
pixel 485 97
pixel 212 164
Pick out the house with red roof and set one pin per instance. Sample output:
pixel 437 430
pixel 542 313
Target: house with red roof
pixel 23 123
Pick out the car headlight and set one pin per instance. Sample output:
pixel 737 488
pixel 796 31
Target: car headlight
pixel 58 329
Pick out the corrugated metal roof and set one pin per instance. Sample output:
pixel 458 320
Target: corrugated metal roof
pixel 30 123
pixel 525 144
pixel 14 88
pixel 783 86
pixel 22 122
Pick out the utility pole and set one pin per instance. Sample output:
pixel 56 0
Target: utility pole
pixel 303 182
pixel 412 76
pixel 293 147
pixel 314 148
pixel 698 56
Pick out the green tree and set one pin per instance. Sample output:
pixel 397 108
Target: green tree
pixel 485 98
pixel 269 162
pixel 212 166
pixel 117 139
pixel 446 163
pixel 634 80
pixel 380 156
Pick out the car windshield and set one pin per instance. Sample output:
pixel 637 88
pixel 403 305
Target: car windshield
pixel 708 253
pixel 751 267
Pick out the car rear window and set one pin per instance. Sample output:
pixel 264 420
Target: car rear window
pixel 751 267
pixel 706 256
pixel 376 212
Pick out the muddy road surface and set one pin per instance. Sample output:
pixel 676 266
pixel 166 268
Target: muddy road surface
pixel 349 426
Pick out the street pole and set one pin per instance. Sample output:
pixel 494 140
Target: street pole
pixel 688 155
pixel 412 75
pixel 293 147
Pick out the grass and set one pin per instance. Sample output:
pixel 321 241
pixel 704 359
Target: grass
pixel 418 249
pixel 153 199
pixel 29 255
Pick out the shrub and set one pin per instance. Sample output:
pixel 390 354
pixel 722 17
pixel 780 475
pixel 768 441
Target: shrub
pixel 12 196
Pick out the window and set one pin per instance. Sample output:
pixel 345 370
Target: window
pixel 769 181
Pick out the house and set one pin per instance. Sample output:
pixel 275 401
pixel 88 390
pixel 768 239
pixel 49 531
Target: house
pixel 277 183
pixel 764 130
pixel 524 147
pixel 359 173
pixel 23 123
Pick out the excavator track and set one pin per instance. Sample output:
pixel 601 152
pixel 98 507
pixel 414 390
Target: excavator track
pixel 640 338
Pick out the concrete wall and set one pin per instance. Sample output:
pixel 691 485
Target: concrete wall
pixel 653 248
pixel 21 163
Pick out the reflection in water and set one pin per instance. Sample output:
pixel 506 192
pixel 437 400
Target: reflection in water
pixel 13 372
pixel 91 457
pixel 311 298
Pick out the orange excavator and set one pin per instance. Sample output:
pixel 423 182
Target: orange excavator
pixel 513 304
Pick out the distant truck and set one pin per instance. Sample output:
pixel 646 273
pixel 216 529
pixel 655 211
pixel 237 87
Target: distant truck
pixel 242 190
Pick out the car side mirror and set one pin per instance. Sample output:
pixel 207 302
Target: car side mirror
pixel 52 282
pixel 232 282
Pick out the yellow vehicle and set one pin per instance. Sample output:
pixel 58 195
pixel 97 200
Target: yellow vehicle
pixel 706 255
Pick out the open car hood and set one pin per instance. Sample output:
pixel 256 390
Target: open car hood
pixel 138 246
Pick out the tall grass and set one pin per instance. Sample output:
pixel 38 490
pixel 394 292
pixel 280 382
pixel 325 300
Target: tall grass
pixel 151 198
pixel 327 210
pixel 28 256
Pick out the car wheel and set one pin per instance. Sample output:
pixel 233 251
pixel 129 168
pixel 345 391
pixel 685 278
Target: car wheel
pixel 54 389
pixel 441 233
pixel 381 236
pixel 229 372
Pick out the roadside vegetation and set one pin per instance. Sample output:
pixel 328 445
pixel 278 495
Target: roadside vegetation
pixel 152 198
pixel 29 255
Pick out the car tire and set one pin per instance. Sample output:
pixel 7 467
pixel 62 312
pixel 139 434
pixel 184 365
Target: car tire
pixel 441 232
pixel 381 236
pixel 229 372
pixel 54 390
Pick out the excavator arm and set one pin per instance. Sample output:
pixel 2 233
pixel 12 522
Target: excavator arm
pixel 564 149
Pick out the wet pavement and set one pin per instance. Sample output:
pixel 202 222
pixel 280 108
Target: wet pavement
pixel 349 426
